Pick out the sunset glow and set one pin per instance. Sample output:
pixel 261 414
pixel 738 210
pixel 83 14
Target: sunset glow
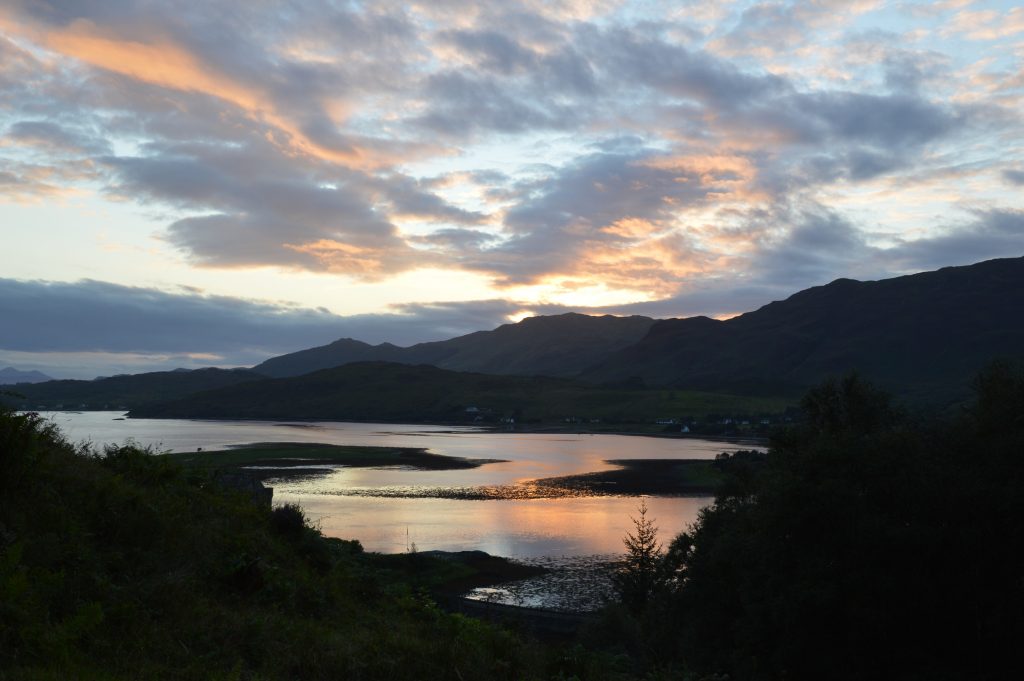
pixel 407 172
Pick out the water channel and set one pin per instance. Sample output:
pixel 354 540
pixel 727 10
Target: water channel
pixel 371 504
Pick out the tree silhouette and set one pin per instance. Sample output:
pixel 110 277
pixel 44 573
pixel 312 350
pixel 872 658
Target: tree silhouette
pixel 637 579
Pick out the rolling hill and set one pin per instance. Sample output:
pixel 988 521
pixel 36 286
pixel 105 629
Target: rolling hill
pixel 127 391
pixel 388 392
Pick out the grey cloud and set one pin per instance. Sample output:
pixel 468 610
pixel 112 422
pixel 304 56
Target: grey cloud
pixel 903 69
pixel 766 24
pixel 57 138
pixel 457 241
pixel 849 134
pixel 880 120
pixel 818 244
pixel 258 218
pixel 413 197
pixel 673 69
pixel 845 135
pixel 620 144
pixel 994 233
pixel 20 181
pixel 66 11
pixel 783 25
pixel 715 296
pixel 557 72
pixel 598 190
pixel 451 319
pixel 489 177
pixel 464 104
pixel 158 330
pixel 496 51
pixel 1013 176
pixel 78 317
pixel 903 73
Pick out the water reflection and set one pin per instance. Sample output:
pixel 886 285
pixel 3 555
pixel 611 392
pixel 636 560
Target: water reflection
pixel 515 528
pixel 528 528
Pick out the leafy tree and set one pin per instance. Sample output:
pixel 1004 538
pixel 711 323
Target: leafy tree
pixel 865 546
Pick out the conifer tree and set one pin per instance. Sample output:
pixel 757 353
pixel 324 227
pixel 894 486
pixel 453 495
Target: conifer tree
pixel 637 579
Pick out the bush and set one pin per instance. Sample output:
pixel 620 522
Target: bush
pixel 289 520
pixel 864 546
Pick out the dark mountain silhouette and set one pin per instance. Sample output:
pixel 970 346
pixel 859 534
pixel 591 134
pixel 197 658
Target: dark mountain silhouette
pixel 126 390
pixel 12 376
pixel 561 345
pixel 922 335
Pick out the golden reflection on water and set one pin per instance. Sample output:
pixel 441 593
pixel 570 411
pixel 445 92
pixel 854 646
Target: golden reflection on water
pixel 515 528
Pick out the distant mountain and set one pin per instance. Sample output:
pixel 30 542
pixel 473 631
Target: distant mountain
pixel 12 376
pixel 127 391
pixel 389 392
pixel 560 345
pixel 342 351
pixel 923 336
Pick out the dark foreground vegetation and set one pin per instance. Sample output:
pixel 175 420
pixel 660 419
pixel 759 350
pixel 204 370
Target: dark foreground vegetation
pixel 123 565
pixel 865 545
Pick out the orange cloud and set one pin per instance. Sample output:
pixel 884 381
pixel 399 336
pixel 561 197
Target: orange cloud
pixel 164 63
pixel 367 263
pixel 159 63
pixel 729 177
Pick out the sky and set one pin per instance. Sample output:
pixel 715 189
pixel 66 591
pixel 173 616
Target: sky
pixel 190 184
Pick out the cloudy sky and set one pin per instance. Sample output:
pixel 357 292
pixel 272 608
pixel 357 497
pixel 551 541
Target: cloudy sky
pixel 196 184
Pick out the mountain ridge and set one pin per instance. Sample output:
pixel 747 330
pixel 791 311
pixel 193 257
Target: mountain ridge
pixel 922 336
pixel 12 376
pixel 913 334
pixel 556 345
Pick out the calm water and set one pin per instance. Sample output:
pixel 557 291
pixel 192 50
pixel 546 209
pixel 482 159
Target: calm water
pixel 529 529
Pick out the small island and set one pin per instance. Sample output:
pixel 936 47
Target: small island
pixel 278 459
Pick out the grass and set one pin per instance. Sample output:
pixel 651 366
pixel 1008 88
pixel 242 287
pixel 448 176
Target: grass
pixel 680 477
pixel 291 454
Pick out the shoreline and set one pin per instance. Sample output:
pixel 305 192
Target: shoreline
pixel 268 461
pixel 522 429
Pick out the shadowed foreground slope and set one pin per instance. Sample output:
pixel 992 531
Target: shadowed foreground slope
pixel 865 545
pixel 130 566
